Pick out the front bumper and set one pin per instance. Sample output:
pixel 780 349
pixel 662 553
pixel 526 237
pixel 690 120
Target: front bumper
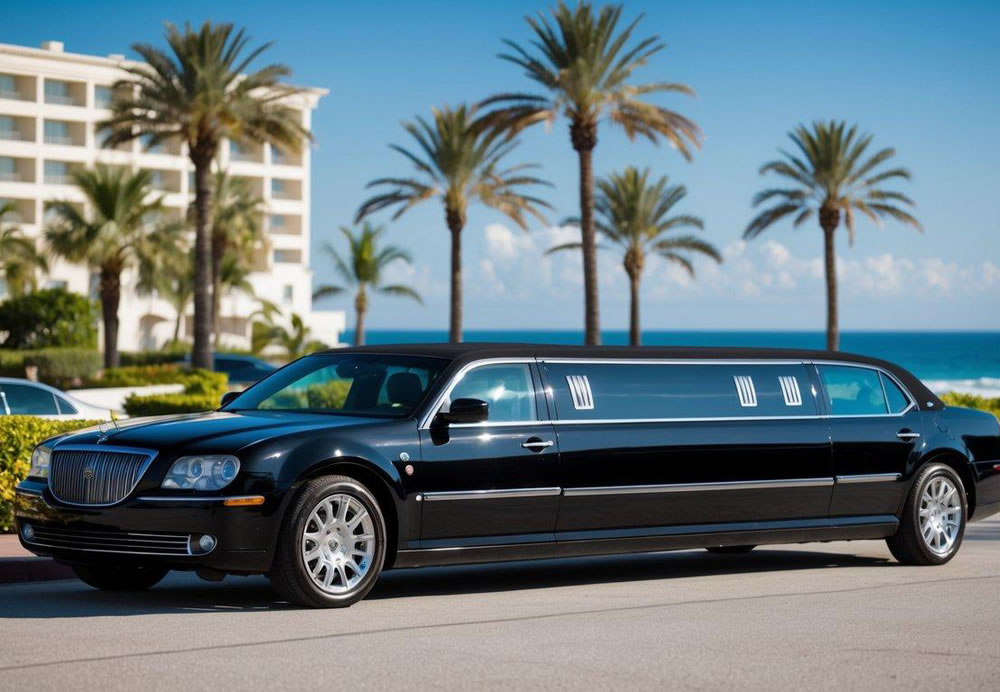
pixel 245 536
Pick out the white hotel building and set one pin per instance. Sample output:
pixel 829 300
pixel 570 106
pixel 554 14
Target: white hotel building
pixel 50 103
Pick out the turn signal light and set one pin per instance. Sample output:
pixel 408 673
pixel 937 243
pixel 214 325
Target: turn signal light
pixel 248 501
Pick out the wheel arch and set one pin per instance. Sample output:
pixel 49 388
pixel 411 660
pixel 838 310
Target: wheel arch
pixel 375 480
pixel 961 465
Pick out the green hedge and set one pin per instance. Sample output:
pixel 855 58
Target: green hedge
pixel 202 392
pixel 167 373
pixel 59 367
pixel 50 318
pixel 18 437
pixel 172 353
pixel 972 401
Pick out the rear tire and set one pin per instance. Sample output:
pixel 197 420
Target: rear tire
pixel 730 549
pixel 138 578
pixel 332 544
pixel 933 523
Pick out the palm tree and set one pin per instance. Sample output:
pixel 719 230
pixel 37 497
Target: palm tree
pixel 236 232
pixel 633 213
pixel 585 63
pixel 113 238
pixel 363 271
pixel 20 260
pixel 294 340
pixel 197 93
pixel 458 161
pixel 833 176
pixel 166 269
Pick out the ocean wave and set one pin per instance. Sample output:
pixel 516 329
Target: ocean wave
pixel 982 386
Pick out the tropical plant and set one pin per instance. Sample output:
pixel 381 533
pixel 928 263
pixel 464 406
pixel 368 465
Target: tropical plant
pixel 834 176
pixel 362 271
pixel 20 260
pixel 586 63
pixel 634 214
pixel 236 233
pixel 113 237
pixel 198 93
pixel 49 318
pixel 294 340
pixel 458 161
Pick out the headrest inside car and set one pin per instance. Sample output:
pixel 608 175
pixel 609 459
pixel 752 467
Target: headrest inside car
pixel 404 388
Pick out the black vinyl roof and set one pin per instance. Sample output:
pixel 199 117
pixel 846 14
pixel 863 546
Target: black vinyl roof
pixel 465 352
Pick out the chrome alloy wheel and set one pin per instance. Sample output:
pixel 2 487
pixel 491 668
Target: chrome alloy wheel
pixel 940 515
pixel 338 543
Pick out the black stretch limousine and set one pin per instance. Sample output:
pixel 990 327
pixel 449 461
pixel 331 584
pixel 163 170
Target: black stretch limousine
pixel 349 462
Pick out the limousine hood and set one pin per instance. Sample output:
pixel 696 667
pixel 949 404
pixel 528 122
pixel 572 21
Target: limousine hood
pixel 205 432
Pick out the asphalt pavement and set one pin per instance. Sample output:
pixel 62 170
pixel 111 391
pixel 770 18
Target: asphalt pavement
pixel 819 616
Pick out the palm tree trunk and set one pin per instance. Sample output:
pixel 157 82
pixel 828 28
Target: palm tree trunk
pixel 635 335
pixel 456 221
pixel 828 219
pixel 584 139
pixel 217 253
pixel 201 351
pixel 111 292
pixel 177 325
pixel 360 308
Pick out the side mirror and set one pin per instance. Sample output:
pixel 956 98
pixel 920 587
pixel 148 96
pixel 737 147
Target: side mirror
pixel 465 411
pixel 227 397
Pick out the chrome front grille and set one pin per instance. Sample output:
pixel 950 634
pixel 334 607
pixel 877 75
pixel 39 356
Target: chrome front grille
pixel 101 541
pixel 96 475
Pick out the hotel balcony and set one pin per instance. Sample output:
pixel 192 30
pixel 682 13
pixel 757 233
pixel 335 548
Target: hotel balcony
pixel 247 153
pixel 17 129
pixel 280 157
pixel 17 87
pixel 60 172
pixel 285 224
pixel 17 170
pixel 65 133
pixel 286 189
pixel 23 213
pixel 63 93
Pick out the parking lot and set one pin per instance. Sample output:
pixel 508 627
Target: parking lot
pixel 828 616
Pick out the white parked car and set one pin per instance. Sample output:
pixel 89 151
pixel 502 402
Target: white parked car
pixel 27 398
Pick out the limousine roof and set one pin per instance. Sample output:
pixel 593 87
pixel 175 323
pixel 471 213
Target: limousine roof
pixel 463 353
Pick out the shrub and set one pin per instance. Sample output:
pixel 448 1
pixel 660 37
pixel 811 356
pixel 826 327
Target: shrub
pixel 972 401
pixel 168 373
pixel 18 437
pixel 52 318
pixel 59 367
pixel 202 391
pixel 170 353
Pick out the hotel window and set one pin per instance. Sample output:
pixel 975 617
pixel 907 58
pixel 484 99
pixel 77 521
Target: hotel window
pixel 7 128
pixel 57 283
pixel 8 168
pixel 58 92
pixel 57 132
pixel 278 221
pixel 291 256
pixel 149 146
pixel 278 188
pixel 102 96
pixel 8 87
pixel 57 172
pixel 289 294
pixel 239 153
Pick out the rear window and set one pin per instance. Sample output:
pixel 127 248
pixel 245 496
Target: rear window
pixel 853 391
pixel 29 401
pixel 637 391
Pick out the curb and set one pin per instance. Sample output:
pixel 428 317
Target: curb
pixel 26 569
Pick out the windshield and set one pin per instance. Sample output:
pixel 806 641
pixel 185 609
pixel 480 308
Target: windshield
pixel 388 386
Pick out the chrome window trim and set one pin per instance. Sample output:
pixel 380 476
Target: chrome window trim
pixel 870 478
pixel 149 453
pixel 434 408
pixel 501 424
pixel 697 487
pixel 439 400
pixel 181 498
pixel 490 494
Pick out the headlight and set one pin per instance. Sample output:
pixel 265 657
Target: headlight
pixel 40 462
pixel 202 472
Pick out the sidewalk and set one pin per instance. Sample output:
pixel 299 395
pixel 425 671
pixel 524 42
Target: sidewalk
pixel 18 565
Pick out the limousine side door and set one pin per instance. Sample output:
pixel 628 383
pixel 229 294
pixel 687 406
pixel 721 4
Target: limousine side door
pixel 876 431
pixel 498 478
pixel 668 444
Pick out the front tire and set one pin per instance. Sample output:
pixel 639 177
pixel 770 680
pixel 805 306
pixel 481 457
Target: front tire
pixel 332 544
pixel 138 578
pixel 933 522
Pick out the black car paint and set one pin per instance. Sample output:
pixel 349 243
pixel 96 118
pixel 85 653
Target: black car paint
pixel 280 450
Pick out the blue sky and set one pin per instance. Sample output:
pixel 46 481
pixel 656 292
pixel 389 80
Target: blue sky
pixel 921 76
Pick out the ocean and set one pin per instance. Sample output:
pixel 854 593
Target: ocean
pixel 945 361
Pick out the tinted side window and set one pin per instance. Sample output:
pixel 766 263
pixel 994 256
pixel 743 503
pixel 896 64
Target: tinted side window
pixel 637 391
pixel 31 401
pixel 64 406
pixel 896 399
pixel 506 387
pixel 852 391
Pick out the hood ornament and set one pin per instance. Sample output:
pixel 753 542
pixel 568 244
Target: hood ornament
pixel 105 428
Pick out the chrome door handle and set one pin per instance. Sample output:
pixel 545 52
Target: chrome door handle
pixel 907 435
pixel 536 445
